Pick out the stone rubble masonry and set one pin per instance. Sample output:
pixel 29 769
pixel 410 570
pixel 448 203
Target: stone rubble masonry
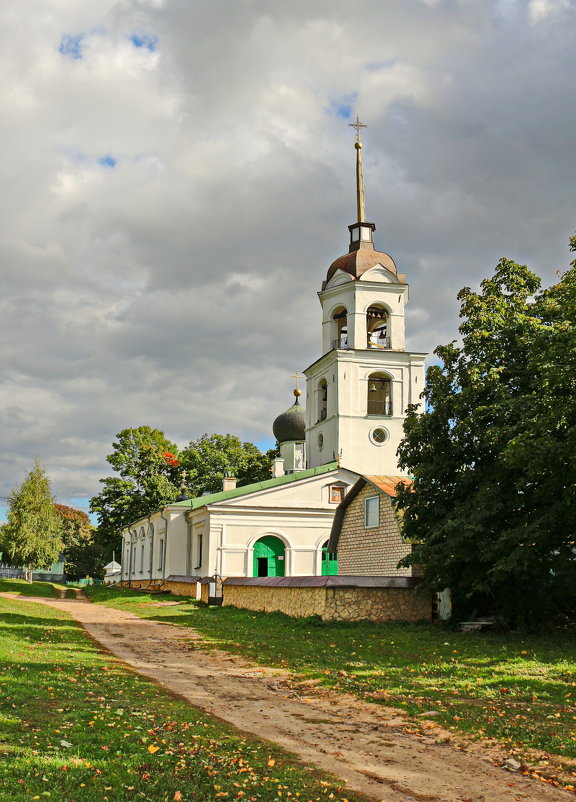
pixel 330 603
pixel 334 604
pixel 371 552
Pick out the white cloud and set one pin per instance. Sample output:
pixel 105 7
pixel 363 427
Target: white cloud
pixel 540 9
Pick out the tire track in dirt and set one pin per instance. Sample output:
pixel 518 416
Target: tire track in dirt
pixel 360 742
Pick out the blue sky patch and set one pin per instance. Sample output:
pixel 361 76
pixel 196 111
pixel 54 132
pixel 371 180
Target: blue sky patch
pixel 148 41
pixel 342 106
pixel 71 45
pixel 108 161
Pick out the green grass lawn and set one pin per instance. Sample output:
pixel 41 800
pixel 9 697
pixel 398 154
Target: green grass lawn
pixel 514 688
pixel 77 726
pixel 23 588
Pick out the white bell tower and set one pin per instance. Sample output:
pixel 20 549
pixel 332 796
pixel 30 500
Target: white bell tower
pixel 358 390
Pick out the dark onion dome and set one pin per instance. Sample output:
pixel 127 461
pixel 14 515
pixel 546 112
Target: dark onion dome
pixel 359 261
pixel 291 425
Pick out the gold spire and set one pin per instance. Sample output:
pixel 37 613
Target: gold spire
pixel 359 174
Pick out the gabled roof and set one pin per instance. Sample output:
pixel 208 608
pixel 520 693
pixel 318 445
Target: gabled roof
pixel 384 484
pixel 224 495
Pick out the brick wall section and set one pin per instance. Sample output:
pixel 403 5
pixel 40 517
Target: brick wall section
pixel 334 604
pixel 371 552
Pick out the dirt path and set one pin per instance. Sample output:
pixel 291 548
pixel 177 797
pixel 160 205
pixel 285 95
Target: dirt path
pixel 358 741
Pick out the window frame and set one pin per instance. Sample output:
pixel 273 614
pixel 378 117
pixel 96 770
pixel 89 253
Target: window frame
pixel 368 525
pixel 199 542
pixel 339 489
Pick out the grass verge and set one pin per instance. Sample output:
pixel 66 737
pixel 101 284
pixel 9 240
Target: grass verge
pixel 513 688
pixel 23 588
pixel 78 726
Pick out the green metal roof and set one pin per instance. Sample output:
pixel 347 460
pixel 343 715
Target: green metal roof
pixel 224 495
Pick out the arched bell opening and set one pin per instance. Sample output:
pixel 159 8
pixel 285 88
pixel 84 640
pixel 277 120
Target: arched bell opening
pixel 340 327
pixel 379 394
pixel 322 399
pixel 377 327
pixel 269 554
pixel 329 561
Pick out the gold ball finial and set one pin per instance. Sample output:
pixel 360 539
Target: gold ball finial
pixel 297 392
pixel 357 145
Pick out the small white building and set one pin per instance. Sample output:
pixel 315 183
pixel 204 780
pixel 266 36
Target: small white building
pixel 278 527
pixel 112 573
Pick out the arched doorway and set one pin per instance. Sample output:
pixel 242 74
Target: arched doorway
pixel 329 562
pixel 269 553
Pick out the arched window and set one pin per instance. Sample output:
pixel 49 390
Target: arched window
pixel 377 327
pixel 340 328
pixel 379 394
pixel 322 399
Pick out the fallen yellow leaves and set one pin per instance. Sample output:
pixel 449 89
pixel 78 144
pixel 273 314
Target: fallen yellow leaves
pixel 153 748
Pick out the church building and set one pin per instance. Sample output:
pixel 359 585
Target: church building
pixel 357 392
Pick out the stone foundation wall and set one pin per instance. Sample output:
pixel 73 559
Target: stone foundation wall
pixel 297 602
pixel 334 604
pixel 377 604
pixel 178 588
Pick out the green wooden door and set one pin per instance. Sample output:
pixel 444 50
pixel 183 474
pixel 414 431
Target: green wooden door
pixel 268 557
pixel 329 562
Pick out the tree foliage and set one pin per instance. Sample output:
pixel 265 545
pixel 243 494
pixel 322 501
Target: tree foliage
pixel 152 471
pixel 80 552
pixel 208 460
pixel 32 536
pixel 492 510
pixel 148 466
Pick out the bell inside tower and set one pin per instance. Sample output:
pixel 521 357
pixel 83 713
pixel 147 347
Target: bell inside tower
pixel 377 327
pixel 340 328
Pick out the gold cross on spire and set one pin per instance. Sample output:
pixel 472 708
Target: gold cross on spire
pixel 360 206
pixel 297 376
pixel 357 125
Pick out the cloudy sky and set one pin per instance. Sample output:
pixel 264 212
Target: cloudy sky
pixel 178 175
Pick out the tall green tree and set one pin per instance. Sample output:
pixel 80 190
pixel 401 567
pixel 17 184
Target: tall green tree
pixel 492 508
pixel 32 536
pixel 80 551
pixel 152 471
pixel 148 467
pixel 214 456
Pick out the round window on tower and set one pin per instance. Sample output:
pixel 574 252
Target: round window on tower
pixel 379 436
pixel 320 442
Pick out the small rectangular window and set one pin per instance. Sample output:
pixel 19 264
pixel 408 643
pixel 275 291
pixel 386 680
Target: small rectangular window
pixel 198 552
pixel 336 494
pixel 371 512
